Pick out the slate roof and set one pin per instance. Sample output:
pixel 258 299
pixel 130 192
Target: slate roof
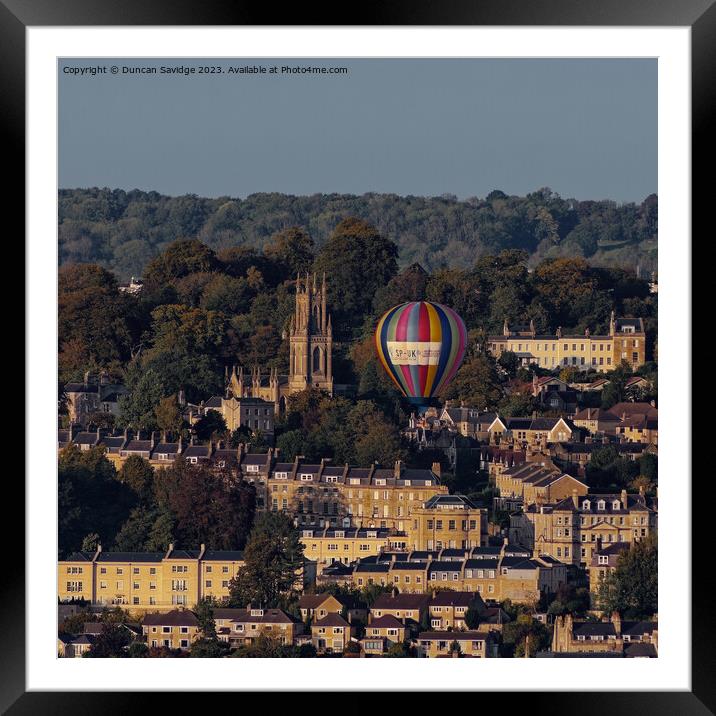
pixel 80 557
pixel 363 567
pixel 313 601
pixel 166 448
pixel 639 628
pixel 331 620
pixel 387 621
pixel 254 458
pixel 454 599
pixel 177 617
pixel 640 650
pixel 449 501
pixel 197 451
pixel 184 554
pixel 445 566
pixel 223 555
pixel 269 616
pixel 130 556
pixel 400 601
pixel 138 446
pixel 588 629
pixel 596 414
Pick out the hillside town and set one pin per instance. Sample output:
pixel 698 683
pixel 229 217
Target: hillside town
pixel 474 533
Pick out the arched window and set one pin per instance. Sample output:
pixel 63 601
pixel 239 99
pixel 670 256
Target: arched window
pixel 316 359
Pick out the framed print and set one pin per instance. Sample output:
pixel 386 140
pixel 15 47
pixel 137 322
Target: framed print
pixel 356 342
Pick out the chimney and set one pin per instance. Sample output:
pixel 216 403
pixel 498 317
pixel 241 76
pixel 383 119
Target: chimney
pixel 617 621
pixel 436 468
pixel 170 549
pixel 397 471
pixel 575 499
pixel 641 490
pixel 624 498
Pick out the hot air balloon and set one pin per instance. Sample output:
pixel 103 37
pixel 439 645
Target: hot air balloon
pixel 421 345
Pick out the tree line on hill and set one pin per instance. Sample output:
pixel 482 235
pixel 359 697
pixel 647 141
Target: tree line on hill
pixel 122 231
pixel 201 310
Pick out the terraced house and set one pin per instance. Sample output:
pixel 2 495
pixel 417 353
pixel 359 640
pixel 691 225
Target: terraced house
pixel 571 529
pixel 534 482
pixel 494 573
pixel 344 496
pixel 626 341
pixel 628 638
pixel 326 545
pixel 145 581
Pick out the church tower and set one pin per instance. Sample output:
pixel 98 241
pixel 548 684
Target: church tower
pixel 311 338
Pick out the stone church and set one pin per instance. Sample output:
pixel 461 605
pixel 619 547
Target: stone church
pixel 310 352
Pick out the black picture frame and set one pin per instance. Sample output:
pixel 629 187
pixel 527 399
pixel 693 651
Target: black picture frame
pixel 16 15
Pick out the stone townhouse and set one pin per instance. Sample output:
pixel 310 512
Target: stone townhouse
pixel 569 530
pixel 383 632
pixel 326 545
pixel 628 638
pixel 447 609
pixel 243 626
pixel 494 573
pixel 597 421
pixel 534 431
pixel 176 629
pixel 451 521
pixel 317 606
pixel 476 644
pixel 603 562
pixel 142 581
pixel 409 609
pixel 96 394
pixel 466 421
pixel 534 482
pixel 344 496
pixel 576 453
pixel 331 634
pixel 626 341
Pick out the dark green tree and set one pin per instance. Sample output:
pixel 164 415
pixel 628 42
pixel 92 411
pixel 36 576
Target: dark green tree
pixel 632 589
pixel 273 558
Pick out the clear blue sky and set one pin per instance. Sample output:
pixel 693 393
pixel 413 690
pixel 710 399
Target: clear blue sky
pixel 585 128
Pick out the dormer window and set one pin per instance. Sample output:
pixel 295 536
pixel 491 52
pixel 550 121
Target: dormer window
pixel 306 477
pixel 257 612
pixel 252 468
pixel 340 534
pixel 280 475
pixel 380 482
pixel 586 505
pixel 407 483
pixel 331 478
pixel 355 481
pixel 615 505
pixel 601 505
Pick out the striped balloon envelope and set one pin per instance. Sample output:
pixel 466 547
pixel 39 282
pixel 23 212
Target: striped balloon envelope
pixel 421 345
